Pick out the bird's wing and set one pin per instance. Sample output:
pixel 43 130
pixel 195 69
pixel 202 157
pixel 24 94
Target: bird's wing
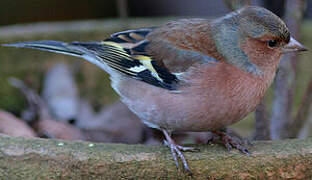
pixel 125 52
pixel 149 64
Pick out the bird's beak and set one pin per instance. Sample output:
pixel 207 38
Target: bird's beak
pixel 293 46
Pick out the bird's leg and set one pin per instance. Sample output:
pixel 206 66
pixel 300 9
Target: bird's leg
pixel 176 151
pixel 230 141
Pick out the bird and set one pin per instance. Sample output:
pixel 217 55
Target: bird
pixel 190 74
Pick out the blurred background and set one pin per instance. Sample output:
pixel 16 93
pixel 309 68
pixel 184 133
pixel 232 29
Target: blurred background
pixel 22 11
pixel 56 96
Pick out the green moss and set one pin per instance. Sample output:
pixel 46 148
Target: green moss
pixel 37 158
pixel 29 158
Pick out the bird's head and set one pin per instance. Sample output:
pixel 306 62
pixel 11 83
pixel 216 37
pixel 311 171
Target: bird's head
pixel 253 38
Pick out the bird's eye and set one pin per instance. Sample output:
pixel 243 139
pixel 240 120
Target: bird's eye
pixel 272 43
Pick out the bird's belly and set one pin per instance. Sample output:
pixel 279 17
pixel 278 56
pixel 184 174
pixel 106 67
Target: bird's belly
pixel 160 108
pixel 184 113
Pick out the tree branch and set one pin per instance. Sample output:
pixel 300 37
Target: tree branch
pixel 303 112
pixel 54 159
pixel 262 122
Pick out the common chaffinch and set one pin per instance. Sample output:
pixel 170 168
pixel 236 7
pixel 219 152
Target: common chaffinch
pixel 190 74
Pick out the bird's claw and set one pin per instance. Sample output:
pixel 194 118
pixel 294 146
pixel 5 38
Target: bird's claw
pixel 238 145
pixel 176 153
pixel 230 142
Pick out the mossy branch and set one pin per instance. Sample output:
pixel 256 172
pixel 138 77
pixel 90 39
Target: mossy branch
pixel 55 159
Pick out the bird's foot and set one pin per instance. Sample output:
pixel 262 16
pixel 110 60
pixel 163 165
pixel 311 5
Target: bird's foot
pixel 230 141
pixel 176 151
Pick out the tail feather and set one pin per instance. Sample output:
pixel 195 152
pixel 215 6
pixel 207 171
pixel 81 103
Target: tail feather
pixel 52 46
pixel 72 49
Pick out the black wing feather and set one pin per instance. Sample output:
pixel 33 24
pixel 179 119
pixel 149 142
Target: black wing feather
pixel 133 61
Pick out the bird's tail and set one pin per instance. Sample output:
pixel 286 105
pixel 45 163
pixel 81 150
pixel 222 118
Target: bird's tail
pixel 85 50
pixel 52 46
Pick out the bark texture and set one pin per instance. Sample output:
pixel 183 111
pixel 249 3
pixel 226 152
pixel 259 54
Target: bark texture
pixel 54 159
